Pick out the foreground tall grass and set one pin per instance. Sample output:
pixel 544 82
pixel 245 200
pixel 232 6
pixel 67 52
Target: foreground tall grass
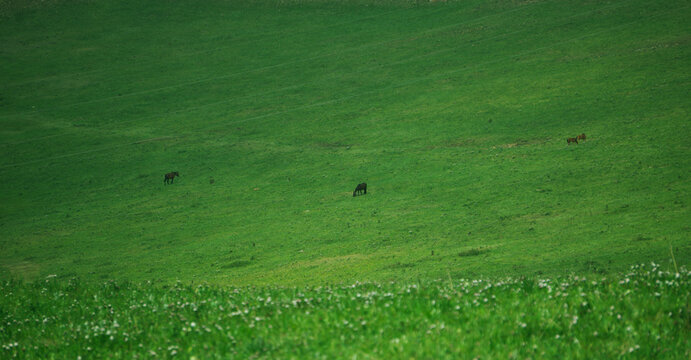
pixel 640 314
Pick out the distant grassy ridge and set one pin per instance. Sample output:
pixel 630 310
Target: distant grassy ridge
pixel 641 314
pixel 454 113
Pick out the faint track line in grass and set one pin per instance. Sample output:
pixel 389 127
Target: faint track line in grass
pixel 354 95
pixel 33 139
pixel 57 157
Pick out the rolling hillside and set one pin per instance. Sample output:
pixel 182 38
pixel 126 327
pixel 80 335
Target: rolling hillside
pixel 454 113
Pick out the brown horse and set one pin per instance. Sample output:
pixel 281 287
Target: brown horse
pixel 581 137
pixel 170 176
pixel 570 140
pixel 361 188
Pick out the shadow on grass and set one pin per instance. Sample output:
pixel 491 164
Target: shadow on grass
pixel 473 252
pixel 236 264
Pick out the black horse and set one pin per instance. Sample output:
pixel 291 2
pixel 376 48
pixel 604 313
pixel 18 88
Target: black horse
pixel 170 176
pixel 361 188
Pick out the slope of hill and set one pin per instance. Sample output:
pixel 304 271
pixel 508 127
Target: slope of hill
pixel 456 114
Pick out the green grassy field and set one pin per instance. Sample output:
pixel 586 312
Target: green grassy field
pixel 454 113
pixel 483 234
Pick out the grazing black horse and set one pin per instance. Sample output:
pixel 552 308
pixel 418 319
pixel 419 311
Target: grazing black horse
pixel 170 176
pixel 361 188
pixel 571 140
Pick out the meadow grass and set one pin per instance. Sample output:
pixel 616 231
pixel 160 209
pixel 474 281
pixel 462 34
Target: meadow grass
pixel 455 116
pixel 455 113
pixel 641 314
